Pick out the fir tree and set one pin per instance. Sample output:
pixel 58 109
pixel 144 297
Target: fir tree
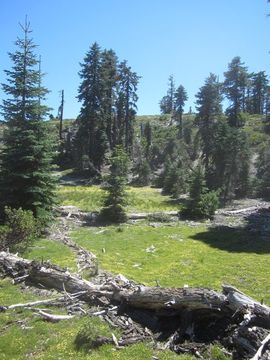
pixel 26 158
pixel 167 103
pixel 209 110
pixel 180 97
pixel 235 83
pixel 259 84
pixel 116 199
pixel 231 161
pixel 126 104
pixel 202 203
pixel 108 81
pixel 89 120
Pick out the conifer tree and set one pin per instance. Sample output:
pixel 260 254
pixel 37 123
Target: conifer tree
pixel 180 97
pixel 167 103
pixel 209 108
pixel 231 161
pixel 116 199
pixel 26 158
pixel 235 84
pixel 259 84
pixel 202 203
pixel 126 104
pixel 90 121
pixel 108 81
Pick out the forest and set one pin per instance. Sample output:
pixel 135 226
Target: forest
pixel 126 236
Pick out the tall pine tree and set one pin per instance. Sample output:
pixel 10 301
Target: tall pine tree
pixel 91 142
pixel 26 158
pixel 180 97
pixel 126 104
pixel 108 81
pixel 235 86
pixel 209 108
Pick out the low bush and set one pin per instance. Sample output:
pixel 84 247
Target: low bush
pixel 113 214
pixel 208 204
pixel 20 230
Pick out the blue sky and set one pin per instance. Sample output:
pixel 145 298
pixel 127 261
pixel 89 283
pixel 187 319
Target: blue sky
pixel 186 38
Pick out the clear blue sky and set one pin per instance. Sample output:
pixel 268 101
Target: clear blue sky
pixel 186 38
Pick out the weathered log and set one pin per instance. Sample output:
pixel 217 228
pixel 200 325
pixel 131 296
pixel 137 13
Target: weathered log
pixel 154 298
pixel 53 277
pixel 195 310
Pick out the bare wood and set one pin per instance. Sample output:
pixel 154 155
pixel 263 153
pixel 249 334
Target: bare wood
pixel 155 298
pixel 261 348
pixel 31 304
pixel 163 298
pixel 54 318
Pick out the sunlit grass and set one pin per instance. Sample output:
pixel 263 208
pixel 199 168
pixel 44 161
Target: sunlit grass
pixel 182 255
pixel 24 335
pixel 55 252
pixel 90 198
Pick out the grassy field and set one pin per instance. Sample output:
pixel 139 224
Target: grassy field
pixel 55 252
pixel 23 335
pixel 173 254
pixel 180 254
pixel 141 199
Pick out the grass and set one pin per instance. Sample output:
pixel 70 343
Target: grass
pixel 55 252
pixel 182 255
pixel 23 335
pixel 140 199
pixel 179 258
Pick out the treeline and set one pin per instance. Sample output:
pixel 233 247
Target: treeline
pixel 207 154
pixel 210 154
pixel 211 144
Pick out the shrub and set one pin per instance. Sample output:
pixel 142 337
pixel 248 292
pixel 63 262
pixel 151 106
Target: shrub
pixel 208 204
pixel 86 337
pixel 159 217
pixel 90 332
pixel 113 214
pixel 202 203
pixel 143 171
pixel 21 228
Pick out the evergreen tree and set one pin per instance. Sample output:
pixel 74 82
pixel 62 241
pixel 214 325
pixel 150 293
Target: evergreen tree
pixel 209 108
pixel 180 97
pixel 175 177
pixel 26 158
pixel 231 161
pixel 126 104
pixel 202 203
pixel 235 84
pixel 116 199
pixel 90 119
pixel 259 84
pixel 109 79
pixel 148 138
pixel 167 103
pixel 263 170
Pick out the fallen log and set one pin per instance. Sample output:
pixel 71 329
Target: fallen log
pixel 198 314
pixel 53 277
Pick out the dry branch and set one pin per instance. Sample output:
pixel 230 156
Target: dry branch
pixel 54 318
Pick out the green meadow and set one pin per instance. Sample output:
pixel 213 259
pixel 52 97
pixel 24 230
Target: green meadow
pixel 170 254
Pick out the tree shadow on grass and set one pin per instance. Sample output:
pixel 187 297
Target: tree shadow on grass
pixel 253 237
